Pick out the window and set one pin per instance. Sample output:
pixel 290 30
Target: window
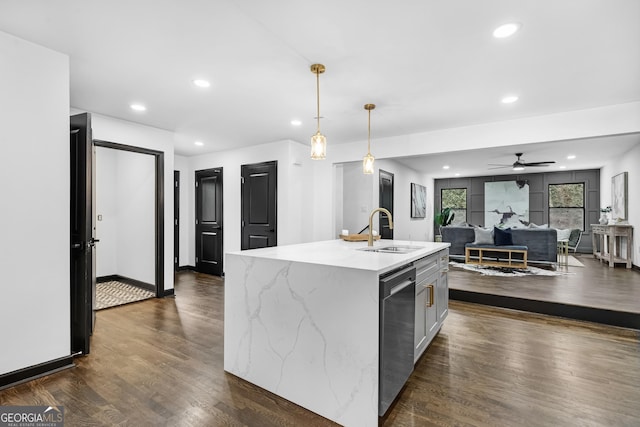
pixel 456 199
pixel 566 206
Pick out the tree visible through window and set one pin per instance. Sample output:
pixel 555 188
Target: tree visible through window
pixel 456 199
pixel 566 206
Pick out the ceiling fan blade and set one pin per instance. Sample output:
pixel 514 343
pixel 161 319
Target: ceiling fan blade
pixel 497 164
pixel 538 163
pixel 501 167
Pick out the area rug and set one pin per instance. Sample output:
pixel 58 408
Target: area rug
pixel 508 272
pixel 113 293
pixel 574 262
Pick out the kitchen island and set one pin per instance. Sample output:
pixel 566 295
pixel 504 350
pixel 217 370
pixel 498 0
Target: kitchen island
pixel 303 322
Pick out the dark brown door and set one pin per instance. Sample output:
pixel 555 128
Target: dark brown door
pixel 386 201
pixel 209 221
pixel 259 205
pixel 176 220
pixel 83 260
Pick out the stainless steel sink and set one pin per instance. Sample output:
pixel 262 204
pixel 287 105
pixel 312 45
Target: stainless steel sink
pixel 400 249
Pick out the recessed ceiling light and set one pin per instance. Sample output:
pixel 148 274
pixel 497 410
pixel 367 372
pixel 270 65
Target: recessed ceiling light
pixel 296 122
pixel 562 167
pixel 445 167
pixel 201 83
pixel 506 30
pixel 571 156
pixel 199 143
pixel 510 99
pixel 457 174
pixel 138 107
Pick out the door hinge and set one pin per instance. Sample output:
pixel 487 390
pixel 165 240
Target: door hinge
pixel 243 222
pixel 176 184
pixel 196 184
pixel 175 260
pixel 196 221
pixel 176 221
pixel 196 259
pixel 242 180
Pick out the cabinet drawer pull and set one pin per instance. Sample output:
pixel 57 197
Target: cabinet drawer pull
pixel 430 295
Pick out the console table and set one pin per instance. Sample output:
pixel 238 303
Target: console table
pixel 607 243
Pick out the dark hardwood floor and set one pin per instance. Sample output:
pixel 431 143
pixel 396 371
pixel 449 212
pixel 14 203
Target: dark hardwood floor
pixel 592 292
pixel 160 362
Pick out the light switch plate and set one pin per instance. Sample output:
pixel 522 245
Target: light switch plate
pixel 99 217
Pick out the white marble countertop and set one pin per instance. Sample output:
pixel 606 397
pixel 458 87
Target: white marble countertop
pixel 339 253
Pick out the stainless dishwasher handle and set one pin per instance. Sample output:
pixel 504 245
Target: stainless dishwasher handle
pixel 400 286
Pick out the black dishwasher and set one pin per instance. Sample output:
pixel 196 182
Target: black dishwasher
pixel 397 323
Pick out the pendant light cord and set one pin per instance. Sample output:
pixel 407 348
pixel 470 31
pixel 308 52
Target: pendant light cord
pixel 369 135
pixel 318 96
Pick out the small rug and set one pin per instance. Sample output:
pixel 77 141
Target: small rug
pixel 508 272
pixel 111 294
pixel 574 262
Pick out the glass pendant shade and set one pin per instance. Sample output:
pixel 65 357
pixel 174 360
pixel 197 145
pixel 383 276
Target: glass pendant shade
pixel 367 161
pixel 367 164
pixel 318 146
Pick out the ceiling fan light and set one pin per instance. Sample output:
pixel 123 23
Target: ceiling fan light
pixel 518 168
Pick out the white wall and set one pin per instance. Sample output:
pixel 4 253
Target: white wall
pixel 106 208
pixel 627 163
pixel 125 200
pixel 128 133
pixel 181 164
pixel 295 192
pixel 34 219
pixel 361 194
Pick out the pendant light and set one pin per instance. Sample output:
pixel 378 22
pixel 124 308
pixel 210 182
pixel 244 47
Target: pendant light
pixel 367 162
pixel 318 141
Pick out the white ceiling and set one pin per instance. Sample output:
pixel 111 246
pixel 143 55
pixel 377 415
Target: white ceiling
pixel 426 64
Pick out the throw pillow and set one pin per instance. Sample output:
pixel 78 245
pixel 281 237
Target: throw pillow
pixel 532 225
pixel 484 236
pixel 502 237
pixel 563 234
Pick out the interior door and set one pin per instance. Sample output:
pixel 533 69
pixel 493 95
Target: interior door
pixel 386 201
pixel 209 232
pixel 176 220
pixel 82 239
pixel 259 205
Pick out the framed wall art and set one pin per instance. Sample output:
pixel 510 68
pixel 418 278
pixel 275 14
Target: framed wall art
pixel 506 203
pixel 418 200
pixel 619 194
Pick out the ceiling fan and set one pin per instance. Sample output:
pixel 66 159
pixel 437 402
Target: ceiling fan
pixel 520 164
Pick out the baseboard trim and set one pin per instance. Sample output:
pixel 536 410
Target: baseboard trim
pixel 168 293
pixel 187 267
pixel 590 314
pixel 128 281
pixel 20 376
pixel 103 279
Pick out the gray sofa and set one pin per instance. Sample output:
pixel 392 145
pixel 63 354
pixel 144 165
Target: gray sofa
pixel 542 243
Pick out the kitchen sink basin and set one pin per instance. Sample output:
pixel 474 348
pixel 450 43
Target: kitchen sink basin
pixel 401 249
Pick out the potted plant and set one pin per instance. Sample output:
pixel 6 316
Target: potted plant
pixel 442 219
